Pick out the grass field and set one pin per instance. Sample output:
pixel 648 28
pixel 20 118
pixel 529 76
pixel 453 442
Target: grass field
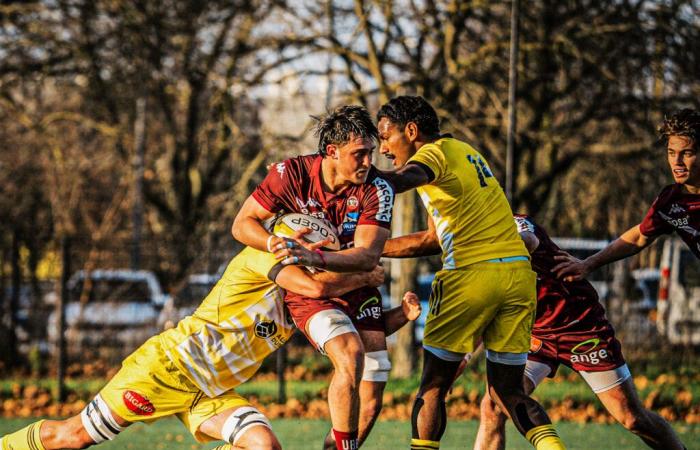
pixel 308 434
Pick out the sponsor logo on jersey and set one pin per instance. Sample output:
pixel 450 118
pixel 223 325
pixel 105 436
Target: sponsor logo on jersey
pixel 280 167
pixel 265 329
pixel 353 203
pixel 350 222
pixel 681 223
pixel 535 344
pixel 585 352
pixel 385 195
pixel 138 404
pixel 370 308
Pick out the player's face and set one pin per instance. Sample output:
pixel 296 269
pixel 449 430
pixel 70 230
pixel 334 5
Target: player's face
pixel 354 159
pixel 682 157
pixel 393 142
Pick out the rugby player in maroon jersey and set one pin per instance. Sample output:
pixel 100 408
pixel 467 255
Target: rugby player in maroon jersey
pixel 571 329
pixel 676 209
pixel 339 185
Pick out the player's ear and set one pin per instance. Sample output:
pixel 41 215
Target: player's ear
pixel 332 151
pixel 411 131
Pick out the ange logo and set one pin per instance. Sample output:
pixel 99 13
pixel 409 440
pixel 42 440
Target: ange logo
pixel 370 308
pixel 585 352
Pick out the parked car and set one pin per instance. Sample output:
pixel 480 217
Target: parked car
pixel 678 304
pixel 109 312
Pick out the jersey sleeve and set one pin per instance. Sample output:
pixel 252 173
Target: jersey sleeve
pixel 271 192
pixel 653 225
pixel 524 224
pixel 377 204
pixel 431 156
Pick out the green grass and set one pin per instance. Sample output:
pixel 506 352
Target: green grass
pixel 305 434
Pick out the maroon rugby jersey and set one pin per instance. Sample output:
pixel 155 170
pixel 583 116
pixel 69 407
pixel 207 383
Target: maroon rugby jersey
pixel 295 185
pixel 561 306
pixel 675 210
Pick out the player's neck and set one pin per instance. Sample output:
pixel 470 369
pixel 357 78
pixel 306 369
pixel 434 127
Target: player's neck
pixel 691 189
pixel 330 179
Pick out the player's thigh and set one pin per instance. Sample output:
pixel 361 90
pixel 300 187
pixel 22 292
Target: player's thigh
pixel 622 400
pixel 148 386
pixel 462 303
pixel 511 327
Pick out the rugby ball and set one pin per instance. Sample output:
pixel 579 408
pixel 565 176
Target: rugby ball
pixel 288 224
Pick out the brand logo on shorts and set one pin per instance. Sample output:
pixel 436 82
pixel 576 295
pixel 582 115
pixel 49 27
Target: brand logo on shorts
pixel 138 404
pixel 265 329
pixel 535 344
pixel 585 352
pixel 370 308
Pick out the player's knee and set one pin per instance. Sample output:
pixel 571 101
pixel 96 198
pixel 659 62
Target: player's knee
pixel 635 421
pixel 489 411
pixel 261 438
pixel 98 422
pixel 249 428
pixel 377 366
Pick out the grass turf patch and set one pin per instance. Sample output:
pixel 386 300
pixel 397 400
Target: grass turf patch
pixel 304 434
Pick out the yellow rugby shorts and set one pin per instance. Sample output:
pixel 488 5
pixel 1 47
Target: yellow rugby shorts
pixel 493 300
pixel 148 387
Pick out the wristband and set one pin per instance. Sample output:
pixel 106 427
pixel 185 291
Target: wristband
pixel 323 258
pixel 269 238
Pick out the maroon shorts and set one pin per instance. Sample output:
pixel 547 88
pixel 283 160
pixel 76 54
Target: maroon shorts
pixel 597 351
pixel 363 306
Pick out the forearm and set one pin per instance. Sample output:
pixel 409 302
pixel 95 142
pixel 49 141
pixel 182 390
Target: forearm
pixel 394 319
pixel 250 232
pixel 421 243
pixel 334 284
pixel 630 243
pixel 351 260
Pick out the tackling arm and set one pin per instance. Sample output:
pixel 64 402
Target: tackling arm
pixel 396 318
pixel 247 226
pixel 326 284
pixel 363 256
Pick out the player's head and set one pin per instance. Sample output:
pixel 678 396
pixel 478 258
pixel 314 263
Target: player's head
pixel 681 131
pixel 346 139
pixel 405 123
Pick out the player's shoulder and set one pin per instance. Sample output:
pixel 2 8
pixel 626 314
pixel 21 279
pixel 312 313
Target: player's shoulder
pixel 295 165
pixel 669 193
pixel 377 181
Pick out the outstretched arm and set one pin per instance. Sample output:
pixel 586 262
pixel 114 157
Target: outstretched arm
pixel 630 243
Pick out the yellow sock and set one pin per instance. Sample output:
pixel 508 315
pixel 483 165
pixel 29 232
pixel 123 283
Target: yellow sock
pixel 25 439
pixel 545 437
pixel 424 444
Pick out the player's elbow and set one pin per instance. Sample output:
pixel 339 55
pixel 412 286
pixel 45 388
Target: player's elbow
pixel 237 228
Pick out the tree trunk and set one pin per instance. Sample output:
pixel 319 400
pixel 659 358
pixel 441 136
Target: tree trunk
pixel 403 278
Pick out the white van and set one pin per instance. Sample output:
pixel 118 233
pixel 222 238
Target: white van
pixel 678 303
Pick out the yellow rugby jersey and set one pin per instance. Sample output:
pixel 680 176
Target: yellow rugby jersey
pixel 471 214
pixel 238 324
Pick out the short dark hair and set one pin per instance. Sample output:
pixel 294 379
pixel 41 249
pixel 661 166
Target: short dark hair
pixel 406 108
pixel 342 124
pixel 684 122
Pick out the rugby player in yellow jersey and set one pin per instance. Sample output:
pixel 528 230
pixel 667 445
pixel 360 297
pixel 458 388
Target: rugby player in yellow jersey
pixel 486 288
pixel 190 371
